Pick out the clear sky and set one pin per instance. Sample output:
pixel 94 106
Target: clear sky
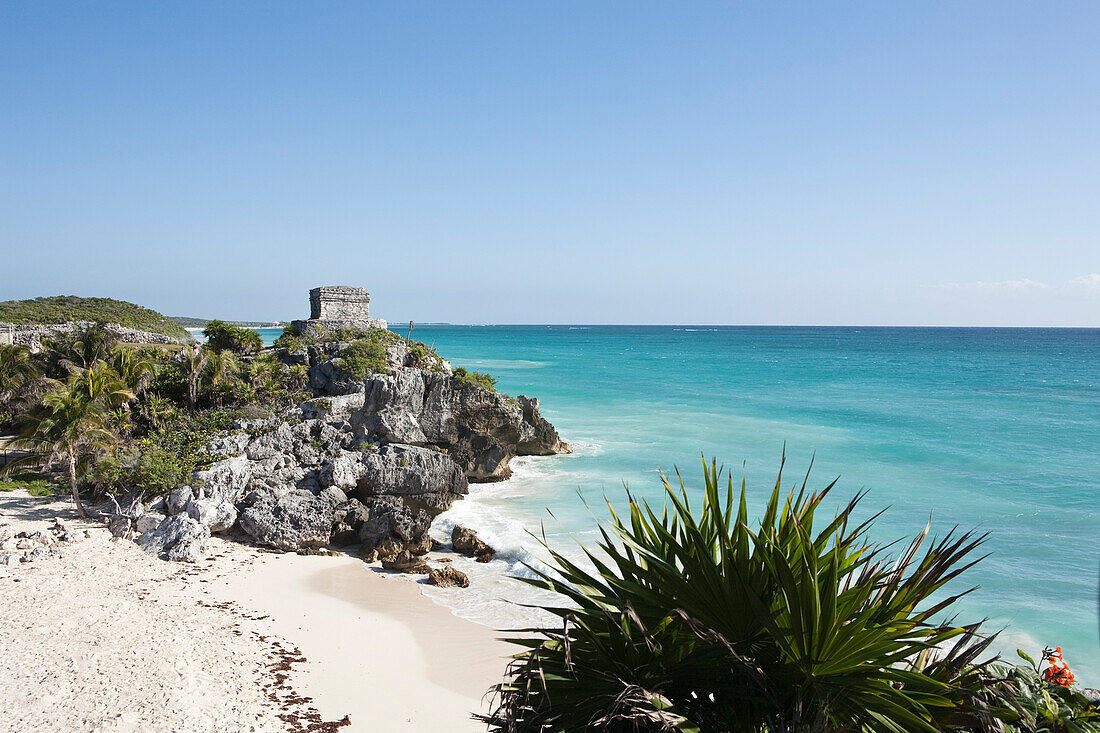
pixel 558 162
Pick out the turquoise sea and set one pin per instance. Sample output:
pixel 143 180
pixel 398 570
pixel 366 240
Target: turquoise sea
pixel 990 429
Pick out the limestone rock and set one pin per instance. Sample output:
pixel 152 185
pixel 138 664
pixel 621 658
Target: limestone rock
pixel 219 516
pixel 179 538
pixel 466 542
pixel 407 562
pixel 148 522
pixel 480 429
pixel 392 527
pixel 176 501
pixel 423 478
pixel 448 577
pixel 290 519
pixel 349 519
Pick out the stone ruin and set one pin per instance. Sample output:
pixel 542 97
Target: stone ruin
pixel 337 307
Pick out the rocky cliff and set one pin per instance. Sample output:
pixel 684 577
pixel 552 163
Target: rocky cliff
pixel 368 461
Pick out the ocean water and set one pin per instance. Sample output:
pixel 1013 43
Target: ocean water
pixel 996 430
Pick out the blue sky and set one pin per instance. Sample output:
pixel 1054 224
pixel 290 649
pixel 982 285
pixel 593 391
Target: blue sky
pixel 791 163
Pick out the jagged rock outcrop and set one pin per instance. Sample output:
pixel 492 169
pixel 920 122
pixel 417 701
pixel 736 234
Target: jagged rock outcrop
pixel 465 541
pixel 179 538
pixel 370 461
pixel 480 429
pixel 448 577
pixel 289 518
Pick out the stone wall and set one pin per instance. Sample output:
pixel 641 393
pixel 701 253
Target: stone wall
pixel 339 303
pixel 336 307
pixel 25 334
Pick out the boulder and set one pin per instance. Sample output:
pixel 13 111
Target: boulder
pixel 349 519
pixel 466 542
pixel 227 479
pixel 448 577
pixel 179 538
pixel 290 519
pixel 176 501
pixel 407 562
pixel 148 522
pixel 219 516
pixel 392 527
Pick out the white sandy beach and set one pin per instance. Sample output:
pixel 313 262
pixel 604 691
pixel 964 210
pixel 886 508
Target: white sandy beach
pixel 110 638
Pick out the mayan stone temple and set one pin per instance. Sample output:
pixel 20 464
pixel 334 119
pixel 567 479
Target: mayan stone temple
pixel 335 307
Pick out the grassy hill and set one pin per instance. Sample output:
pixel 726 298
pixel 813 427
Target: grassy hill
pixel 63 308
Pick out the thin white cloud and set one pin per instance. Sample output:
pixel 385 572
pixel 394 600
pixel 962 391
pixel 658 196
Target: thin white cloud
pixel 1089 282
pixel 1017 286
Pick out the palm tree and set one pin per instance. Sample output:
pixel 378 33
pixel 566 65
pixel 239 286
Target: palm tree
pixel 79 350
pixel 133 367
pixel 158 410
pixel 72 424
pixel 264 372
pixel 221 368
pixel 18 373
pixel 194 366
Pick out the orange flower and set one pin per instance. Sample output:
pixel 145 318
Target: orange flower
pixel 1058 672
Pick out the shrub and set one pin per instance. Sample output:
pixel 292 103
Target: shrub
pixel 424 356
pixel 478 379
pixel 289 339
pixel 222 336
pixel 184 440
pixel 362 358
pixel 693 621
pixel 146 467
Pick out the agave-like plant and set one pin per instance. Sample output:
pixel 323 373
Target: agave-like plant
pixel 694 621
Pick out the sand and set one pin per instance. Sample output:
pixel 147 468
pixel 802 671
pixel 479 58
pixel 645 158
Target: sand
pixel 109 638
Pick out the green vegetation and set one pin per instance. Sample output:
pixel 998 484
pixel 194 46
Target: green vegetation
pixel 222 336
pixel 692 621
pixel 363 357
pixel 288 340
pixel 65 308
pixel 478 379
pixel 35 483
pixel 105 416
pixel 72 424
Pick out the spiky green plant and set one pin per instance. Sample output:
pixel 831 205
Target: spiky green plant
pixel 694 621
pixel 72 424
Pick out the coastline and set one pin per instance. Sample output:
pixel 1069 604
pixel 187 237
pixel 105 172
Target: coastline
pixel 378 650
pixel 110 638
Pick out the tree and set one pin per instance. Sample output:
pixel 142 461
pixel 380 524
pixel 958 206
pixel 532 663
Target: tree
pixel 222 367
pixel 194 366
pixel 79 350
pixel 134 368
pixel 72 424
pixel 222 336
pixel 18 374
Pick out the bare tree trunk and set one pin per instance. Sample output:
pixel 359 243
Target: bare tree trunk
pixel 192 393
pixel 72 485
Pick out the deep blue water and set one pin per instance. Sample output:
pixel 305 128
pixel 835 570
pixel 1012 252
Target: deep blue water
pixel 991 429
